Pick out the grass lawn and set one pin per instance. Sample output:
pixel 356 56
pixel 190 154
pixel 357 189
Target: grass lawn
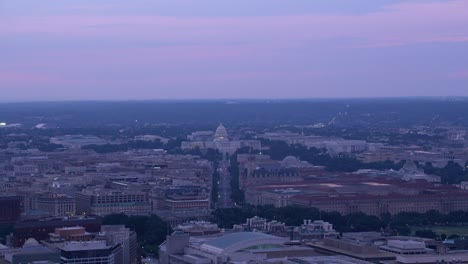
pixel 448 230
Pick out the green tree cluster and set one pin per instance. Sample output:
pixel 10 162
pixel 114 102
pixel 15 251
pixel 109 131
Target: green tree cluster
pixel 151 230
pixel 295 216
pixel 214 186
pixel 426 233
pixel 278 150
pixel 5 229
pixel 452 173
pixel 355 222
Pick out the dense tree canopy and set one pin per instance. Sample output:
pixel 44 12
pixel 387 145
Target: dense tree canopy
pixel 278 150
pixel 356 222
pixel 151 230
pixel 452 173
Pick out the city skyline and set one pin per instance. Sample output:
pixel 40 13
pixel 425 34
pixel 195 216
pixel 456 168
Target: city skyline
pixel 150 50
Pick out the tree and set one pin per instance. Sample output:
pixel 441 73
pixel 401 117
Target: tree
pixel 278 150
pixel 236 194
pixel 5 230
pixel 214 186
pixel 151 230
pixel 154 233
pixel 434 217
pixel 452 173
pixel 115 219
pixel 402 230
pixel 426 233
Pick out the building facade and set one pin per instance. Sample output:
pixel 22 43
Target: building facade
pixel 57 204
pixel 108 201
pixel 219 140
pixel 40 229
pixel 10 209
pixel 89 252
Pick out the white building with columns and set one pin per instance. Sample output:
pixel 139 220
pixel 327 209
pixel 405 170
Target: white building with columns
pixel 219 141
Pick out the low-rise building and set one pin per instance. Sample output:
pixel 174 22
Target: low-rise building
pixel 103 201
pixel 73 233
pixel 198 228
pixel 227 248
pixel 77 141
pixel 41 229
pixel 310 230
pixel 56 204
pixel 406 247
pixel 31 252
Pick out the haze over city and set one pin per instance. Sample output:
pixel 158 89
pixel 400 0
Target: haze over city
pixel 55 50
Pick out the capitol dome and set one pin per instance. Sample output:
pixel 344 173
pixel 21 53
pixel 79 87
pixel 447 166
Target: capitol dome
pixel 221 133
pixel 290 161
pixel 294 162
pixel 31 242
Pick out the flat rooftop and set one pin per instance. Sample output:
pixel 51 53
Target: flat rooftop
pixel 381 255
pixel 327 259
pixel 85 245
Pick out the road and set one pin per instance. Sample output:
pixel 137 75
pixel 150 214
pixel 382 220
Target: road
pixel 224 186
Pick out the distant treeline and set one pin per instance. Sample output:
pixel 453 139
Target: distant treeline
pixel 375 112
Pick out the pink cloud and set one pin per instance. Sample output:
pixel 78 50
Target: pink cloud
pixel 20 78
pixel 155 51
pixel 52 79
pixel 463 74
pixel 400 24
pixel 252 75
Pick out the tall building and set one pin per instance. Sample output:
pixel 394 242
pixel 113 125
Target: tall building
pixel 119 234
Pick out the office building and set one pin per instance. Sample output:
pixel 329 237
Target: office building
pixel 56 204
pixel 103 201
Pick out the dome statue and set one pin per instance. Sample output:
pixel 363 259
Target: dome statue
pixel 221 133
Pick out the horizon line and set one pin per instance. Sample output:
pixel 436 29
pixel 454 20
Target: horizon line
pixel 233 100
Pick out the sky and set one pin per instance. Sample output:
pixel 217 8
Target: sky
pixel 53 50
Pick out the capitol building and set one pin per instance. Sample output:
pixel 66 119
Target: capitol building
pixel 218 140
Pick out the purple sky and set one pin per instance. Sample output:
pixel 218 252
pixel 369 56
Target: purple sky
pixel 184 49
